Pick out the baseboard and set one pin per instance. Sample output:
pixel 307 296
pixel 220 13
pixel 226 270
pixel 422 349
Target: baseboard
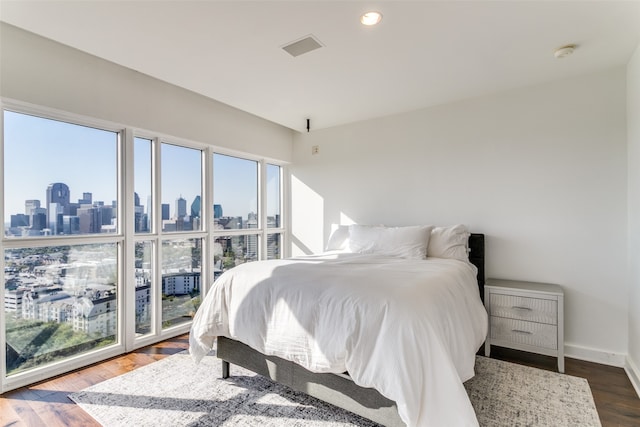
pixel 595 355
pixel 606 358
pixel 633 373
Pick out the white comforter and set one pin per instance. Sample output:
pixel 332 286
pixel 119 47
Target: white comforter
pixel 409 328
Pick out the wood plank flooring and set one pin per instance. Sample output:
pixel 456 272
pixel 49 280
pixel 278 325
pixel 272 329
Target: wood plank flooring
pixel 47 404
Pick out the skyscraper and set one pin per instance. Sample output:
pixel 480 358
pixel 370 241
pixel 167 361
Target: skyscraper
pixel 195 208
pixel 57 205
pixel 58 193
pixel 87 199
pixel 32 209
pixel 181 207
pixel 90 220
pixel 30 205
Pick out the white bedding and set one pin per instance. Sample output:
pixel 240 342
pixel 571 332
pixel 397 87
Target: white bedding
pixel 409 328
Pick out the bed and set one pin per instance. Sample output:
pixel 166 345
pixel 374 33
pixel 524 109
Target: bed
pixel 395 358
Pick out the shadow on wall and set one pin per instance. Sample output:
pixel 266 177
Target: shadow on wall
pixel 299 247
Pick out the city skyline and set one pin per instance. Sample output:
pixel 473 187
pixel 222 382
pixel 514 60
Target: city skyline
pixel 37 142
pixel 88 199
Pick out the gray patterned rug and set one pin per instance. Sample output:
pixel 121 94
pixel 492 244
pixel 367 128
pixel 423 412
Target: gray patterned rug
pixel 176 392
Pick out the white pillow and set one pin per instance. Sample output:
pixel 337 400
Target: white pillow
pixel 339 238
pixel 449 242
pixel 401 242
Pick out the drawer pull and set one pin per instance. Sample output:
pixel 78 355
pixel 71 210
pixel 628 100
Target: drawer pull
pixel 521 308
pixel 520 331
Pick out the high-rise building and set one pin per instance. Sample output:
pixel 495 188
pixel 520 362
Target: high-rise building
pixel 165 211
pixel 58 193
pixel 37 215
pixel 181 207
pixel 70 224
pixel 140 218
pixel 57 205
pixel 217 211
pixel 90 220
pixel 30 205
pixel 195 208
pixel 39 220
pixel 273 246
pixel 54 217
pixel 252 240
pixel 107 214
pixel 86 199
pixel 19 220
pixel 149 211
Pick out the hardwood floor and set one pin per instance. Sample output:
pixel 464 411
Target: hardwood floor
pixel 615 398
pixel 47 404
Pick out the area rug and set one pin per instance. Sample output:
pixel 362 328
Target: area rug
pixel 176 392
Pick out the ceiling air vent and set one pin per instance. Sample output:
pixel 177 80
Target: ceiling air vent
pixel 304 45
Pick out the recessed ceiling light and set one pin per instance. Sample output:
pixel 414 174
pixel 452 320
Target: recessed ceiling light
pixel 371 18
pixel 564 51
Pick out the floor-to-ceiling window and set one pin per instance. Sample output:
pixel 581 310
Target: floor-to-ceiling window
pixel 182 242
pixel 247 211
pixel 273 201
pixel 62 244
pixel 111 236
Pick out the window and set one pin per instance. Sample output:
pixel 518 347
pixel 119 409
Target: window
pixel 143 201
pixel 246 228
pixel 274 191
pixel 144 283
pixel 63 301
pixel 235 207
pixel 235 193
pixel 102 253
pixel 274 245
pixel 274 210
pixel 60 179
pixel 181 260
pixel 181 188
pixel 61 297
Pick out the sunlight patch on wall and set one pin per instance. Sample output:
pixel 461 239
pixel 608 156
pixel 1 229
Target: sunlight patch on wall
pixel 307 219
pixel 345 219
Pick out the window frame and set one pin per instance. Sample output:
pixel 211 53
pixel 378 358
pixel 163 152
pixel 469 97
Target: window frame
pixel 51 369
pixel 126 238
pixel 262 231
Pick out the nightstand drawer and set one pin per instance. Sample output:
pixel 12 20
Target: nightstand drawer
pixel 524 308
pixel 523 332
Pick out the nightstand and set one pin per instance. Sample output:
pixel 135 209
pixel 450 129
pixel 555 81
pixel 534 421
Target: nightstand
pixel 525 316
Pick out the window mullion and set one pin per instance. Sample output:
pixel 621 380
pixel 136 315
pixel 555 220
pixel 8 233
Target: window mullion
pixel 127 283
pixel 285 204
pixel 208 221
pixel 262 197
pixel 156 173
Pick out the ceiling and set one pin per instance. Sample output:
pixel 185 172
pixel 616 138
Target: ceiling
pixel 422 54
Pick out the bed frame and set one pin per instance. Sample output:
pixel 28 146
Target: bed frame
pixel 337 389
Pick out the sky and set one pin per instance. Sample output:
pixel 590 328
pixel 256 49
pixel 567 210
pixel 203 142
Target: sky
pixel 38 152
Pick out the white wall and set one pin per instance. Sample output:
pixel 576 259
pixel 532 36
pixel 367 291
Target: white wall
pixel 42 72
pixel 633 136
pixel 542 171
